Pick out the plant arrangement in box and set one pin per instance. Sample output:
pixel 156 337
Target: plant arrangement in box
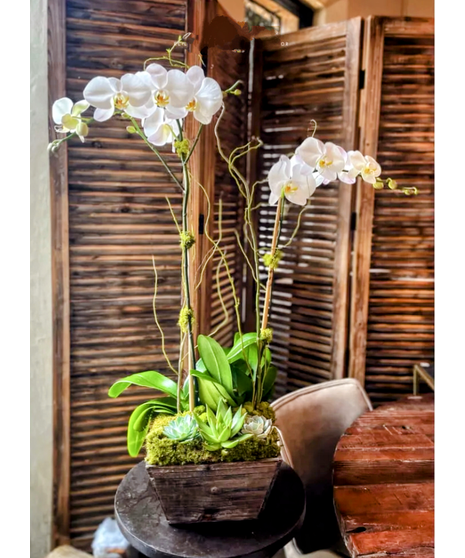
pixel 216 411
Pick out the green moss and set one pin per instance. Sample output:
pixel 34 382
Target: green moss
pixel 263 409
pixel 162 451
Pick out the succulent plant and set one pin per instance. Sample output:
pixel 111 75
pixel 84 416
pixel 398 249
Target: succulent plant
pixel 220 430
pixel 182 429
pixel 257 425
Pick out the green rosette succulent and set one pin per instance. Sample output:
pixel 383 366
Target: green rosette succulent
pixel 182 429
pixel 257 425
pixel 220 430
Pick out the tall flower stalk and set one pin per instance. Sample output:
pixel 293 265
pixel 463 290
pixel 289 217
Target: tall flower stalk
pixel 155 103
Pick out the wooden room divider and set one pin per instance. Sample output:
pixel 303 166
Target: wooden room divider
pixel 110 216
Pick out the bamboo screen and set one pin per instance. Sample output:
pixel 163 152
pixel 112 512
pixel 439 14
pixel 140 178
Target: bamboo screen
pixel 303 76
pixel 118 219
pixel 400 315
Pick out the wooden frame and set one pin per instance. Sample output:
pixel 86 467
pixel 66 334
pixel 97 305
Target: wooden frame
pixel 60 282
pixel 370 104
pixel 352 30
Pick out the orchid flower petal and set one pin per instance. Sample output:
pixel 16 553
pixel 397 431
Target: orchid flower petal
pixel 79 108
pixel 162 136
pixel 196 75
pixel 101 115
pixel 158 75
pixel 180 89
pixel 153 122
pixel 311 150
pixel 60 108
pixel 138 91
pixel 99 92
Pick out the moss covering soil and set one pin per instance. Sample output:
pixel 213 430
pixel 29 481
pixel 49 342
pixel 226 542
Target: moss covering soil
pixel 163 451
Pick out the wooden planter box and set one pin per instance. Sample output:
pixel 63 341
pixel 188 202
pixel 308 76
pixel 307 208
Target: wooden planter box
pixel 214 491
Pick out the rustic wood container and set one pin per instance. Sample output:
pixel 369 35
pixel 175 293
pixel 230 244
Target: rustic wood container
pixel 214 491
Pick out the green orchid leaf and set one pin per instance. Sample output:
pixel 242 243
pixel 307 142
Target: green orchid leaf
pixel 216 361
pixel 208 393
pixel 242 382
pixel 267 356
pixel 150 379
pixel 240 346
pixel 269 382
pixel 165 405
pixel 211 392
pixel 140 417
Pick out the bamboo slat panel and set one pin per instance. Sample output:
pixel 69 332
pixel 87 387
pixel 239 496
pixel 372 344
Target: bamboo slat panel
pixel 227 68
pixel 400 325
pixel 309 74
pixel 118 219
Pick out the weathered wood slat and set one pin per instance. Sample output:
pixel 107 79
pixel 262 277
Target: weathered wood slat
pixel 118 219
pixel 401 228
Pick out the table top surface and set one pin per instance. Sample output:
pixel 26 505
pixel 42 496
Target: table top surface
pixel 383 472
pixel 142 522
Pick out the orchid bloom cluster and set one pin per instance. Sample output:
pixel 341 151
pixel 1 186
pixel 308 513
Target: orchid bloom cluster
pixel 315 163
pixel 158 97
pixel 156 101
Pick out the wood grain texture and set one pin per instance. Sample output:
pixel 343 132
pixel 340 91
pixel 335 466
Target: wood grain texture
pixel 392 325
pixel 384 481
pixel 309 75
pixel 118 218
pixel 227 67
pixel 60 280
pixel 214 492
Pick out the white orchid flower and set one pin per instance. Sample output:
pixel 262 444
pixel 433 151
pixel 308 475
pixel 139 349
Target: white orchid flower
pixel 67 116
pixel 327 158
pixel 291 178
pixel 107 94
pixel 159 129
pixel 364 165
pixel 170 90
pixel 206 98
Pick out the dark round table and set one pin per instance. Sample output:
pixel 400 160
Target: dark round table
pixel 141 520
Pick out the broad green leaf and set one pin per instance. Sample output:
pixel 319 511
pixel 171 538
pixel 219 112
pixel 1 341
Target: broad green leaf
pixel 267 355
pixel 150 379
pixel 240 346
pixel 140 416
pixel 166 405
pixel 216 361
pixel 269 381
pixel 242 381
pixel 211 394
pixel 203 376
pixel 208 393
pixel 252 357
